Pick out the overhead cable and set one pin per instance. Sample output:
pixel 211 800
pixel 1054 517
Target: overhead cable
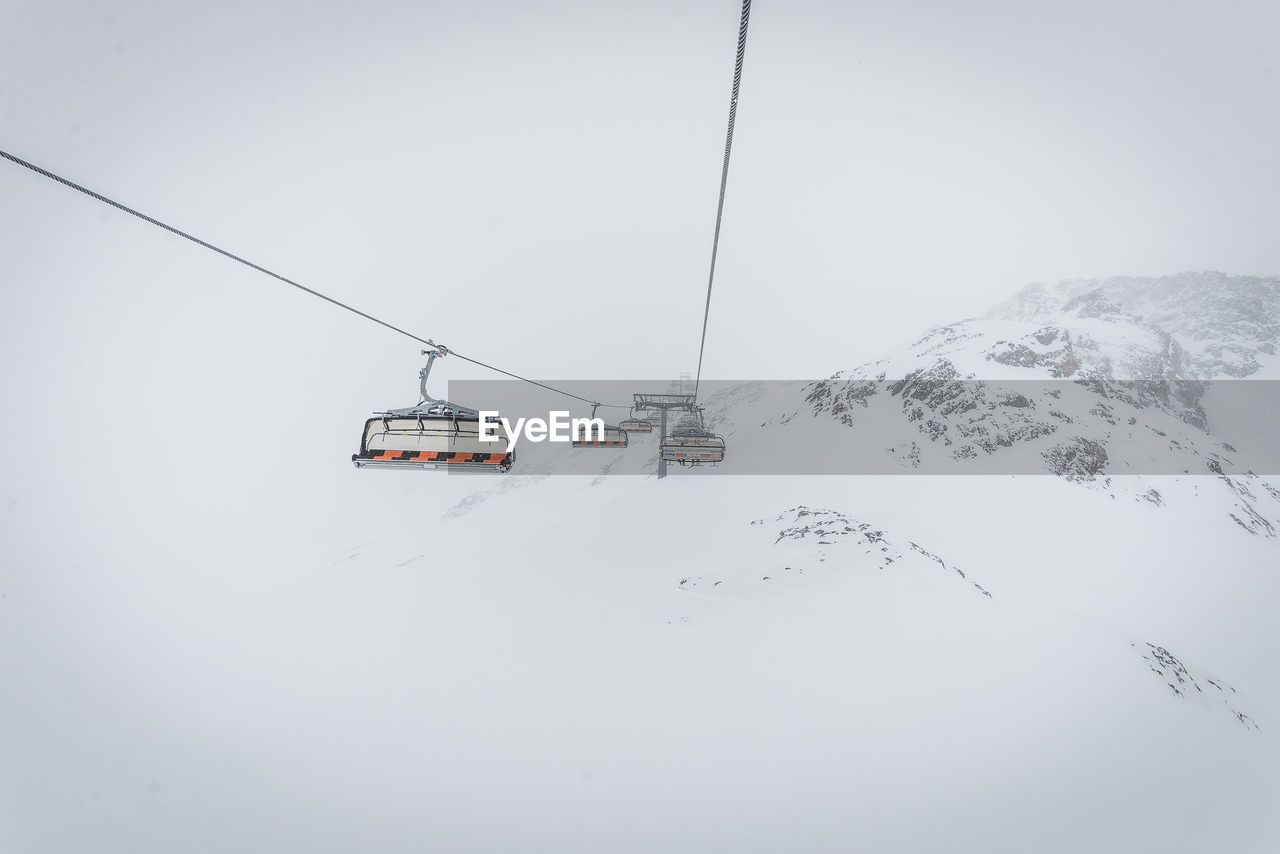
pixel 724 181
pixel 211 247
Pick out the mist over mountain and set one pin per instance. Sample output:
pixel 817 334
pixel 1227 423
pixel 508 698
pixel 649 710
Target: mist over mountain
pixel 1041 618
pixel 1223 326
pixel 1099 614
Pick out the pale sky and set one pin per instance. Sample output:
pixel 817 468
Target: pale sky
pixel 197 655
pixel 534 184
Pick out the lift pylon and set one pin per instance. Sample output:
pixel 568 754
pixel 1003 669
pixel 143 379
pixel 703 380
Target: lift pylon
pixel 664 403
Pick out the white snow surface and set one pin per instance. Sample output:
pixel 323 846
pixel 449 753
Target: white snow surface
pixel 635 665
pixel 226 638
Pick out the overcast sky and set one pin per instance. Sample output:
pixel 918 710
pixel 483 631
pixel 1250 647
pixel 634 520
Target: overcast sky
pixel 534 183
pixel 193 646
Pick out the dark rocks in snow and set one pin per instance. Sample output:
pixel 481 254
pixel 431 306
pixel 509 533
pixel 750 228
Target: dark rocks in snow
pixel 1227 325
pixel 837 397
pixel 830 528
pixel 1116 377
pixel 1079 459
pixel 1091 304
pixel 1017 401
pixel 839 540
pixel 1246 503
pixel 1153 496
pixel 1182 683
pixel 1058 363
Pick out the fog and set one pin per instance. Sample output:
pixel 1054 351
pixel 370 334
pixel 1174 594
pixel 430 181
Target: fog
pixel 533 182
pixel 216 634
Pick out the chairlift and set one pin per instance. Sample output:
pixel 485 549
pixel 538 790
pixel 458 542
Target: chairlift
pixel 614 437
pixel 691 443
pixel 435 434
pixel 634 424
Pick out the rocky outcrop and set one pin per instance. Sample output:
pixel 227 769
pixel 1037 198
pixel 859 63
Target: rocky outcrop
pixel 1203 689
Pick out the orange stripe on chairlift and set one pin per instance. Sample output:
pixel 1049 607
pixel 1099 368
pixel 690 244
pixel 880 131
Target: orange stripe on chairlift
pixel 392 454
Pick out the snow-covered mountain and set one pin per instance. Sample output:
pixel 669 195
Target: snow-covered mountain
pixel 1084 381
pixel 296 654
pixel 1072 381
pixel 1224 326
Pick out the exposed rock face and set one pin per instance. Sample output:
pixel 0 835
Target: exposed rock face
pixel 1083 379
pixel 1180 680
pixel 1080 459
pixel 1229 325
pixel 818 539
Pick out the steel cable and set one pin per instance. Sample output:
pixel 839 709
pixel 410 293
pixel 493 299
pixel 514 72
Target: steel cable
pixel 724 181
pixel 169 228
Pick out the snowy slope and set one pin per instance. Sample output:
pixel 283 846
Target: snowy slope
pixel 1079 387
pixel 298 655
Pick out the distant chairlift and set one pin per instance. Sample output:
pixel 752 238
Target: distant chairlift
pixel 614 437
pixel 691 443
pixel 435 434
pixel 636 425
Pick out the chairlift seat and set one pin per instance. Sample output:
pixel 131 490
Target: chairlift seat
pixel 636 425
pixel 614 437
pixel 431 442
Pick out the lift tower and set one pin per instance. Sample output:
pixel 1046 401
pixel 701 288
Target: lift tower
pixel 664 403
